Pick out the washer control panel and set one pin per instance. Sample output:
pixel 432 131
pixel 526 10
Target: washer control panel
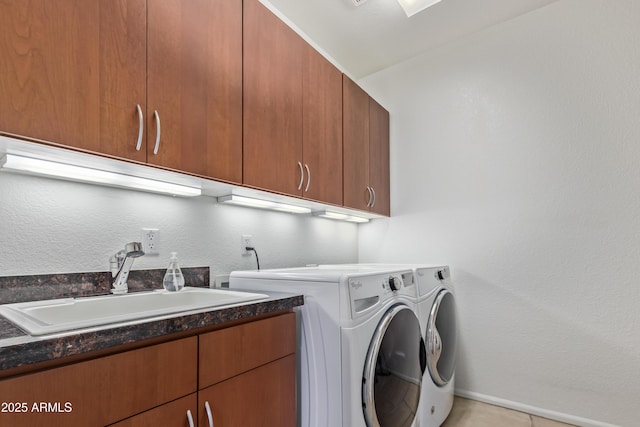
pixel 368 291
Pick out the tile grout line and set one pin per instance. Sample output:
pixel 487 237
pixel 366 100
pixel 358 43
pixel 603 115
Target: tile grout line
pixel 530 420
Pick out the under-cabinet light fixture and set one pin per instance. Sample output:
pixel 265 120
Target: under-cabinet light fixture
pixel 234 199
pixel 340 216
pixel 33 166
pixel 411 7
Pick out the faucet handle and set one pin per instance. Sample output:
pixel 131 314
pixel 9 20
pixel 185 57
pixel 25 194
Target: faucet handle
pixel 116 261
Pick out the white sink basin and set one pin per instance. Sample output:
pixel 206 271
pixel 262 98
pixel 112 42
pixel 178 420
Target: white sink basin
pixel 45 317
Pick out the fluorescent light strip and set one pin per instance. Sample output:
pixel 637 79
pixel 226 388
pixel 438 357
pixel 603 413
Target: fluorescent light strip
pixel 411 7
pixel 234 199
pixel 340 216
pixel 12 162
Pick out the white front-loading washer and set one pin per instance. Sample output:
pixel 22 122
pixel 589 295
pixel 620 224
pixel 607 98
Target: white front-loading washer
pixel 360 348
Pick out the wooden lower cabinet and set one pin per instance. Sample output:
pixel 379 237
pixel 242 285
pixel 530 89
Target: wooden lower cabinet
pixel 101 391
pixel 264 396
pixel 228 352
pixel 247 374
pixel 173 414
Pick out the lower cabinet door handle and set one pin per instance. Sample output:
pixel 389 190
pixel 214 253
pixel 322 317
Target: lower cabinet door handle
pixel 190 418
pixel 209 414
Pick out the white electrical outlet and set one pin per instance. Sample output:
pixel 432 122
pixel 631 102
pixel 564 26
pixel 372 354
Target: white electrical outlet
pixel 151 241
pixel 246 241
pixel 221 281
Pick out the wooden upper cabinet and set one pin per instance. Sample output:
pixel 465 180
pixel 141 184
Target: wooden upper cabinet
pixel 379 157
pixel 356 146
pixel 272 101
pixel 195 87
pixel 366 151
pixel 322 128
pixel 292 112
pixel 73 71
pixel 216 88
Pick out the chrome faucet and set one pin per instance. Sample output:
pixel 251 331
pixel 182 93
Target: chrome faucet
pixel 121 263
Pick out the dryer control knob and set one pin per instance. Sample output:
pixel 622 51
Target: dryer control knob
pixel 394 283
pixel 442 274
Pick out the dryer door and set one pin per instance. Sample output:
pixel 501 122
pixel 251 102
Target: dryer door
pixel 393 370
pixel 441 339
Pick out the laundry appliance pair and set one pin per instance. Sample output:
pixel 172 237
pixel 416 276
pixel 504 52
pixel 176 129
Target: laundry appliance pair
pixel 376 343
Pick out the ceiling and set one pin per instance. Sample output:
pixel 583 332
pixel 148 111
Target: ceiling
pixel 377 34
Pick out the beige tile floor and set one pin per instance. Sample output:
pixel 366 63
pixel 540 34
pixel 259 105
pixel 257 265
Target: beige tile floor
pixel 470 413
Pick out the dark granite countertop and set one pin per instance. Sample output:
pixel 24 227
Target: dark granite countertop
pixel 19 349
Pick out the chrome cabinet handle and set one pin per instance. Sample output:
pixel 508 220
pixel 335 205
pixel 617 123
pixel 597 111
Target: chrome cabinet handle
pixel 373 202
pixel 370 196
pixel 157 117
pixel 141 126
pixel 306 166
pixel 209 414
pixel 301 176
pixel 190 418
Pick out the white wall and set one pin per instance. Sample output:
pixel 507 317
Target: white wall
pixel 516 160
pixel 50 226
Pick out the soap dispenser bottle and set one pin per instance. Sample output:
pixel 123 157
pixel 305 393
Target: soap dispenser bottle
pixel 173 278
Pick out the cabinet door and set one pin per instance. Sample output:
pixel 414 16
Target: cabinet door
pixel 322 128
pixel 272 102
pixel 356 146
pixel 104 390
pixel 73 71
pixel 172 414
pixel 232 351
pixel 379 157
pixel 265 396
pixel 195 87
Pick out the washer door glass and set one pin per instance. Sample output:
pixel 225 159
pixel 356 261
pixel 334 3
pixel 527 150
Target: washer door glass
pixel 441 338
pixel 393 370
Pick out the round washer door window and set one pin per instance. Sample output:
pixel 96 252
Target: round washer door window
pixel 441 339
pixel 393 370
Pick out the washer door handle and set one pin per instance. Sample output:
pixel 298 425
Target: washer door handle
pixel 435 347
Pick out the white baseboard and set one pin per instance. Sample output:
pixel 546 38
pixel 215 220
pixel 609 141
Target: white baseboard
pixel 540 412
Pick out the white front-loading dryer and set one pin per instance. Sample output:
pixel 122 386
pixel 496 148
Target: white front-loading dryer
pixel 437 314
pixel 360 349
